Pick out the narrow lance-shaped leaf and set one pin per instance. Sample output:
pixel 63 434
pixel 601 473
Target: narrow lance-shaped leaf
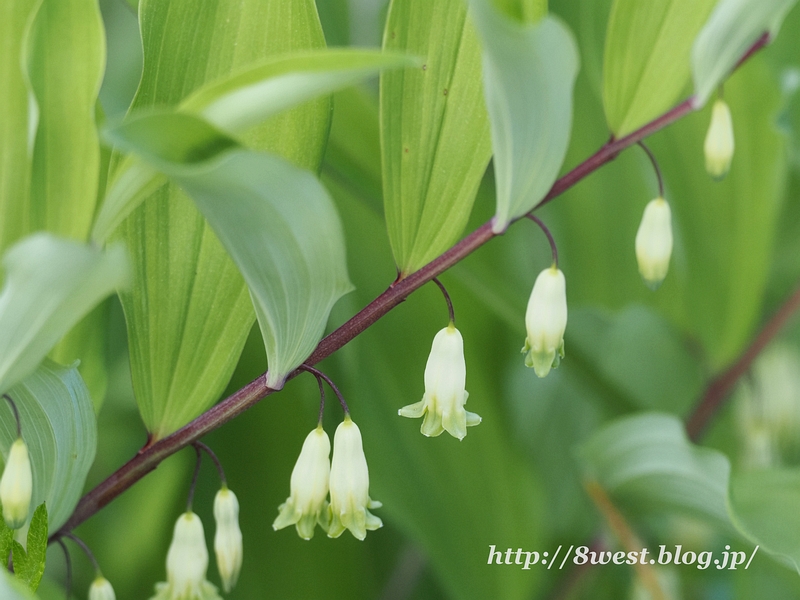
pixel 733 27
pixel 244 99
pixel 275 220
pixel 646 58
pixel 50 285
pixel 59 427
pixel 648 461
pixel 435 137
pixel 528 73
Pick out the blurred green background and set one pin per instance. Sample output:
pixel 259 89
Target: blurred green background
pixel 514 481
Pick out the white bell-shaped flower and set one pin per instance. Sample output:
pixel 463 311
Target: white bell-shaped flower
pixel 654 242
pixel 187 562
pixel 350 499
pixel 228 538
pixel 16 485
pixel 101 589
pixel 307 505
pixel 546 321
pixel 445 379
pixel 719 144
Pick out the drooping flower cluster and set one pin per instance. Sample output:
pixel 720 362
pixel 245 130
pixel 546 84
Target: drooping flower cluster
pixel 187 558
pixel 442 405
pixel 346 478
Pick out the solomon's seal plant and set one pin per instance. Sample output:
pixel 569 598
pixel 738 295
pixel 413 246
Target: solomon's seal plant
pixel 207 207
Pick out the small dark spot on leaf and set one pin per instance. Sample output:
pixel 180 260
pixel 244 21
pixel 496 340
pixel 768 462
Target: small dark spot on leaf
pixel 445 91
pixel 405 150
pixel 393 35
pixel 424 67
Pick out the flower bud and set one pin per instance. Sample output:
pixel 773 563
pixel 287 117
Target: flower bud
pixel 546 320
pixel 228 538
pixel 101 589
pixel 307 504
pixel 719 141
pixel 16 486
pixel 350 485
pixel 654 242
pixel 187 561
pixel 445 396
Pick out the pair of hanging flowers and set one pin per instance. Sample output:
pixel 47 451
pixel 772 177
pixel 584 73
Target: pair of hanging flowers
pixel 187 557
pixel 345 477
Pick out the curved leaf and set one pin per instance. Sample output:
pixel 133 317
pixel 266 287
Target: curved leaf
pixel 242 100
pixel 647 459
pixel 251 96
pixel 732 28
pixel 50 285
pixel 275 220
pixel 189 311
pixel 435 131
pixel 528 75
pixel 646 59
pixel 59 427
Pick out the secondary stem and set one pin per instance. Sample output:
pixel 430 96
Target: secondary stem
pixel 151 455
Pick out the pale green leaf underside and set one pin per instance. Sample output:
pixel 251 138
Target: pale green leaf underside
pixel 278 224
pixel 50 285
pixel 646 59
pixel 435 138
pixel 647 459
pixel 732 28
pixel 58 425
pixel 242 100
pixel 528 74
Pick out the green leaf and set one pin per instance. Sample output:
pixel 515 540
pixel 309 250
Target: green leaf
pixel 65 62
pixel 50 285
pixel 435 129
pixel 646 61
pixel 527 11
pixel 59 427
pixel 6 539
pixel 528 75
pixel 13 589
pixel 189 311
pixel 732 28
pixel 16 124
pixel 29 562
pixel 242 100
pixel 237 103
pixel 646 461
pixel 278 224
pixel 648 458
